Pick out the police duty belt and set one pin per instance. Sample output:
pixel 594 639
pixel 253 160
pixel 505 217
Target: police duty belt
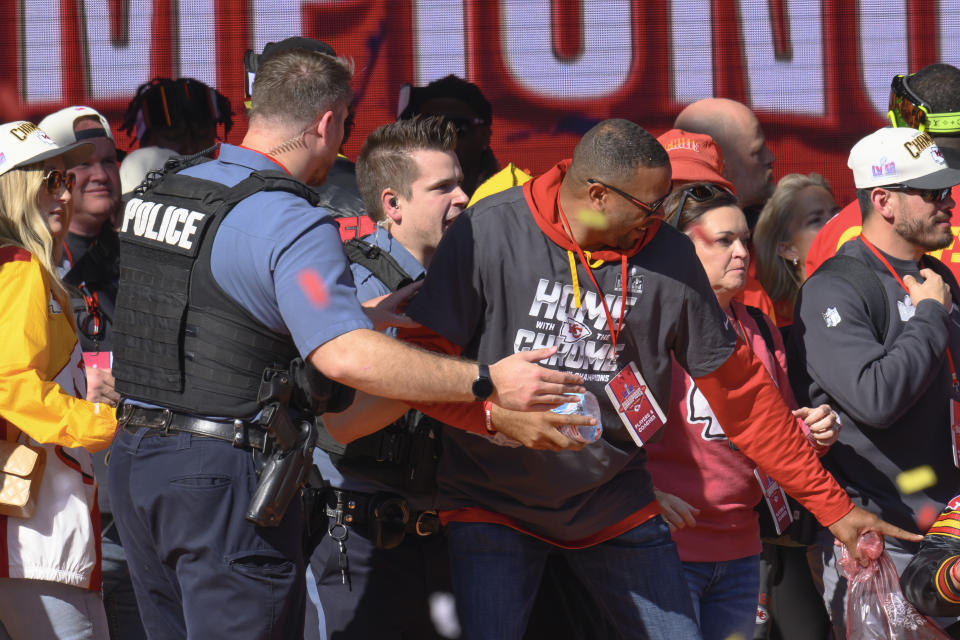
pixel 163 422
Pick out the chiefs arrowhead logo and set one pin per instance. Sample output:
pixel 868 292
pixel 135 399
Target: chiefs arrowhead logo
pixel 573 331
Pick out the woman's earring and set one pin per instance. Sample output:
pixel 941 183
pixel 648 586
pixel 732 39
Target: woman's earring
pixel 796 262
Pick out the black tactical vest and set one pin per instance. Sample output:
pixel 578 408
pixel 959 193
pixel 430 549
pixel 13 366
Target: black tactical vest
pixel 179 340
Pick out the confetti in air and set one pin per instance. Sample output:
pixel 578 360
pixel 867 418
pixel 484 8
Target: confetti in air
pixel 926 516
pixel 313 287
pixel 918 479
pixel 592 219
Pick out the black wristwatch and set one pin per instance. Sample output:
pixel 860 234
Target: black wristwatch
pixel 483 386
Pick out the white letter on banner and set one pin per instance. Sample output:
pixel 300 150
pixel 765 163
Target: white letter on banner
pixel 794 85
pixel 599 70
pixel 883 48
pixel 117 70
pixel 949 15
pixel 691 50
pixel 275 20
pixel 41 48
pixel 197 33
pixel 440 41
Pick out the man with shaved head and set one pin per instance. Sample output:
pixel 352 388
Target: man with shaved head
pixel 579 258
pixel 747 161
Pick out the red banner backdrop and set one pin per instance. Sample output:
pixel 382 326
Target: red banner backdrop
pixel 816 73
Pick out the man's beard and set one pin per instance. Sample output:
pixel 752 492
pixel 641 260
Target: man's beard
pixel 924 233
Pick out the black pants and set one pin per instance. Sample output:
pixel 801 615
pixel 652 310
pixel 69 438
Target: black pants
pixel 390 590
pixel 795 608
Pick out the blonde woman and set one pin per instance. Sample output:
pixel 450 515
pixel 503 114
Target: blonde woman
pixel 797 210
pixel 49 569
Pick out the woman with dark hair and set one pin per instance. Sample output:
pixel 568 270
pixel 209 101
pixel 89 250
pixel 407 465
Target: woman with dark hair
pixel 790 220
pixel 50 567
pixel 707 489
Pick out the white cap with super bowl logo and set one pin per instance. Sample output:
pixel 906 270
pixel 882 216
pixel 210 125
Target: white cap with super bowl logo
pixel 23 143
pixel 901 156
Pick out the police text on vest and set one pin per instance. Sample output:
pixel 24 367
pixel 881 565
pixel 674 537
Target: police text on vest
pixel 172 225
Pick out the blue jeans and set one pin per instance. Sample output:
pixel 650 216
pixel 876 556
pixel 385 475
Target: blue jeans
pixel 43 610
pixel 635 578
pixel 724 596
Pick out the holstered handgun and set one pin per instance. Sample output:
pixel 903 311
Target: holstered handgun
pixel 285 463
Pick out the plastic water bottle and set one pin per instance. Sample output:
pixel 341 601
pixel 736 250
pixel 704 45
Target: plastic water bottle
pixel 581 404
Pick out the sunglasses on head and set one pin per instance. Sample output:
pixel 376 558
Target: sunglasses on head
pixel 697 193
pixel 928 195
pixel 55 180
pixel 651 208
pixel 906 109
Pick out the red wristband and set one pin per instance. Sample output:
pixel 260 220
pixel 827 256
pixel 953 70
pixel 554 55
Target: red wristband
pixel 488 416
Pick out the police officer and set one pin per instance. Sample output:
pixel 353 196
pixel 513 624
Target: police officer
pixel 227 274
pixel 409 176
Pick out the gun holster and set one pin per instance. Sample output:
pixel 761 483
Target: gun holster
pixel 287 456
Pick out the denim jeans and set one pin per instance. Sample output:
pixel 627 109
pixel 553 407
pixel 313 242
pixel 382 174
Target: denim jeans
pixel 43 610
pixel 724 596
pixel 635 578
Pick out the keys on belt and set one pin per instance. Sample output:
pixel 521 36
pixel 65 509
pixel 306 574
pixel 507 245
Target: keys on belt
pixel 163 422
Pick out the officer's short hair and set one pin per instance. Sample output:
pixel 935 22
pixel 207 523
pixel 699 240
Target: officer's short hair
pixel 614 149
pixel 386 160
pixel 295 86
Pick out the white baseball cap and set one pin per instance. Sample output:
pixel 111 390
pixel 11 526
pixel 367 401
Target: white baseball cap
pixel 59 124
pixel 23 143
pixel 139 162
pixel 900 156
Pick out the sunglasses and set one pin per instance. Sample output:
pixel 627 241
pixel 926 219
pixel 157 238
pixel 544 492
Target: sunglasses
pixel 927 195
pixel 697 193
pixel 651 208
pixel 908 110
pixel 55 180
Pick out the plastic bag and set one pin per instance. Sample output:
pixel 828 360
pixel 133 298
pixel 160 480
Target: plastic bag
pixel 876 607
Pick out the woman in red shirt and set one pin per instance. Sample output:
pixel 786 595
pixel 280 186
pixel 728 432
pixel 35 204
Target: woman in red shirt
pixel 707 489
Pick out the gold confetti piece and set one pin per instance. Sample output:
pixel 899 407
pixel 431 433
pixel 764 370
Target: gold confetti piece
pixel 592 219
pixel 914 480
pixel 735 636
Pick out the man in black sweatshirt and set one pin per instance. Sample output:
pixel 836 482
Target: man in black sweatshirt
pixel 876 336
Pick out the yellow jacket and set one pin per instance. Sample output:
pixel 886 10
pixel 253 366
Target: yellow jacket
pixel 41 370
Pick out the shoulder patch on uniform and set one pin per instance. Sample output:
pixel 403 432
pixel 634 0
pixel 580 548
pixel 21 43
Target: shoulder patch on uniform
pixel 954 504
pixel 832 317
pixel 14 254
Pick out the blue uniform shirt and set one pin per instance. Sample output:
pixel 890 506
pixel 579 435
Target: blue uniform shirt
pixel 264 245
pixel 368 286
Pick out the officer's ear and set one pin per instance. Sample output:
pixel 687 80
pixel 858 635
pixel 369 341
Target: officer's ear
pixel 390 203
pixel 325 127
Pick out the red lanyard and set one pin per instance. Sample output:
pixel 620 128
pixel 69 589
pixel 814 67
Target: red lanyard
pixel 886 263
pixel 614 331
pixel 90 299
